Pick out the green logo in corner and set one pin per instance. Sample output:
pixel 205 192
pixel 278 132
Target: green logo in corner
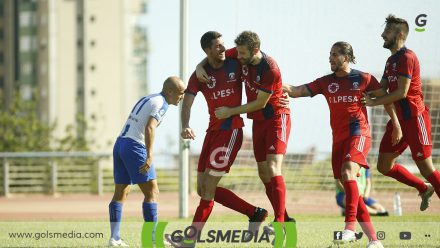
pixel 421 22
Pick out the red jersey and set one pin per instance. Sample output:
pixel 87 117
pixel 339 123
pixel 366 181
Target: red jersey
pixel 265 76
pixel 348 117
pixel 223 90
pixel 405 63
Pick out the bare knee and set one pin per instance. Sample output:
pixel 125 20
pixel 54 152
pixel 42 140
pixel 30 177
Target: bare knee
pixel 383 168
pixel 349 171
pixel 121 193
pixel 426 167
pixel 265 177
pixel 152 195
pixel 385 162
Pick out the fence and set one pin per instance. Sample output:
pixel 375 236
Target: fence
pixel 86 172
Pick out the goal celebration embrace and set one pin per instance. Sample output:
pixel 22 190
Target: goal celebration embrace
pixel 225 73
pixel 233 123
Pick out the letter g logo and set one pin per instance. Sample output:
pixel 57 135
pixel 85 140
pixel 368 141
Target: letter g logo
pixel 421 22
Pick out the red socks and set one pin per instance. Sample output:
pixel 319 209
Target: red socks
pixel 434 179
pixel 351 203
pixel 279 197
pixel 230 200
pixel 202 214
pixel 402 175
pixel 268 187
pixel 363 218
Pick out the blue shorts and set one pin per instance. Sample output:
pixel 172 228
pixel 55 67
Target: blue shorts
pixel 340 200
pixel 128 157
pixel 369 201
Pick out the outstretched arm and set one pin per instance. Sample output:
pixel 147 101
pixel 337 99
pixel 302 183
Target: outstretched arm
pixel 259 103
pixel 296 91
pixel 150 129
pixel 400 93
pixel 187 132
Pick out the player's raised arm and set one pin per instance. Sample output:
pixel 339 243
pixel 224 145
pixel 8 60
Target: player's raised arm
pixel 296 91
pixel 150 129
pixel 201 74
pixel 187 132
pixel 259 103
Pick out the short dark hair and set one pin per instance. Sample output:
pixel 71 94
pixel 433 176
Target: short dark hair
pixel 346 49
pixel 206 40
pixel 401 25
pixel 249 39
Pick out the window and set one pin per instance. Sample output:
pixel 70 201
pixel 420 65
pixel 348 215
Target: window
pixel 25 43
pixel 26 68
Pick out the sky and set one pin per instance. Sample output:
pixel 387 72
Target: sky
pixel 298 34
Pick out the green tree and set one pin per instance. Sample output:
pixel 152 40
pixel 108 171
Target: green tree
pixel 22 130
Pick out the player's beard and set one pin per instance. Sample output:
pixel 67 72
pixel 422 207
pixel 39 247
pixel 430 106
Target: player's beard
pixel 246 61
pixel 388 44
pixel 336 67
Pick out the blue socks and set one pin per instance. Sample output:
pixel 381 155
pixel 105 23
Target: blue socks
pixel 115 211
pixel 149 210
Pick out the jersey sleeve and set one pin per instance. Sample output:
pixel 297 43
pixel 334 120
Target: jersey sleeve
pixel 158 109
pixel 372 83
pixel 405 66
pixel 314 88
pixel 193 85
pixel 231 53
pixel 269 79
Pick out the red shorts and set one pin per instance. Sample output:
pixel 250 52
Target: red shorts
pixel 219 150
pixel 416 134
pixel 354 149
pixel 270 136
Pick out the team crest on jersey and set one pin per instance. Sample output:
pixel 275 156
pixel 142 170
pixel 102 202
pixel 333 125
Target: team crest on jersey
pixel 212 82
pixel 161 112
pixel 355 86
pixel 245 70
pixel 257 80
pixel 333 87
pixel 231 76
pixel 394 66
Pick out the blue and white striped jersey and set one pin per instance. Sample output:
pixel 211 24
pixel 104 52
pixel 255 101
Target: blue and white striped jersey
pixel 149 106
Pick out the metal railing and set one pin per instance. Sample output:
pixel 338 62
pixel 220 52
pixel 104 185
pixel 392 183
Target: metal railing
pixel 49 172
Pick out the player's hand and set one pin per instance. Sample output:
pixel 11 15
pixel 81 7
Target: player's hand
pixel 367 100
pixel 396 135
pixel 201 74
pixel 283 101
pixel 188 133
pixel 222 113
pixel 146 166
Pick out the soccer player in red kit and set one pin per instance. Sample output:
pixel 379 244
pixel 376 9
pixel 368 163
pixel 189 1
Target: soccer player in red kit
pixel 224 136
pixel 402 79
pixel 351 132
pixel 271 121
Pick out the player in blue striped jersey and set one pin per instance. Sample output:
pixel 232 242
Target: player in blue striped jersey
pixel 133 154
